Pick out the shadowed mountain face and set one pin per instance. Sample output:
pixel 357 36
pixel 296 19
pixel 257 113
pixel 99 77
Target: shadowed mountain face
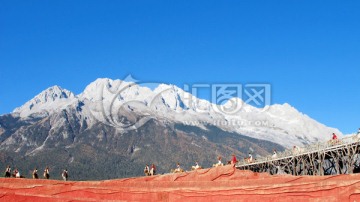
pixel 104 152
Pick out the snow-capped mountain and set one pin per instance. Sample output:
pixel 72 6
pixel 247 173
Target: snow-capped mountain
pixel 104 99
pixel 120 126
pixel 50 100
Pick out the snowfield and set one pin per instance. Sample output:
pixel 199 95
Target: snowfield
pixel 103 99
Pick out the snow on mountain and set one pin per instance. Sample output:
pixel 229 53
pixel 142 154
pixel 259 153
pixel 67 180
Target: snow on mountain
pixel 51 99
pixel 282 124
pixel 108 100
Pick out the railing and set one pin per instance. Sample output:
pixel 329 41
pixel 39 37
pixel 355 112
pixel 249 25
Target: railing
pixel 298 151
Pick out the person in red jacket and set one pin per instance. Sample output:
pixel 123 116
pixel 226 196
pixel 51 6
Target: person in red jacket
pixel 233 159
pixel 334 140
pixel 334 137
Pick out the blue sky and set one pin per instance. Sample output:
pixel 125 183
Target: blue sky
pixel 309 51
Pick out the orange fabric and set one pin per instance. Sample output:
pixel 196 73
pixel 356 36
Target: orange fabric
pixel 211 184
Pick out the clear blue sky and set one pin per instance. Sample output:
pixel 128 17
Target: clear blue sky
pixel 309 51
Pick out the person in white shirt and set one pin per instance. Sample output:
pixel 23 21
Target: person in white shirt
pixel 178 169
pixel 17 173
pixel 196 166
pixel 34 174
pixel 8 171
pixel 46 173
pixel 250 158
pixel 219 163
pixel 65 175
pixel 274 154
pixel 147 170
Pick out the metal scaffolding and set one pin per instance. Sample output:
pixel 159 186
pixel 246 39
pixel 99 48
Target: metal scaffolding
pixel 341 156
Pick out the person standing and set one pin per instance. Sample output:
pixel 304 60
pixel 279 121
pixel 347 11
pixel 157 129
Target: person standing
pixel 153 169
pixel 7 171
pixel 65 175
pixel 34 174
pixel 147 170
pixel 233 160
pixel 46 173
pixel 250 158
pixel 274 156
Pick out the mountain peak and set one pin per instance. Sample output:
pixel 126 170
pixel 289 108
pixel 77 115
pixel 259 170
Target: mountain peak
pixel 46 100
pixel 54 93
pixel 162 87
pixel 104 97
